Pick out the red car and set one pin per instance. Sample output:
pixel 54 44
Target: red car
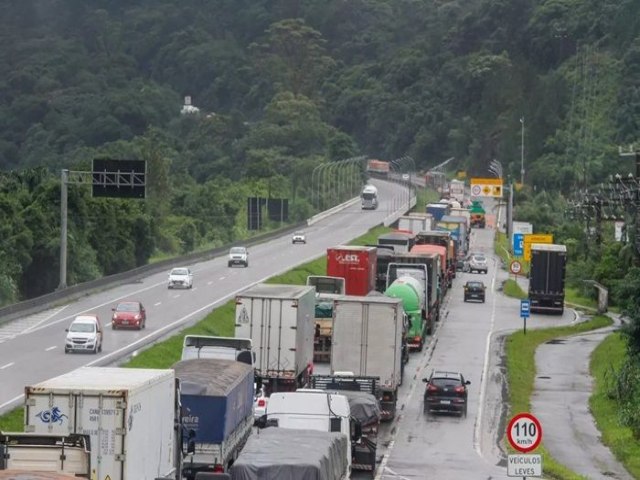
pixel 129 315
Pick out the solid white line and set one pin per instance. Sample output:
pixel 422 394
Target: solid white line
pixel 50 348
pixel 485 374
pixel 7 365
pixel 222 278
pixel 157 303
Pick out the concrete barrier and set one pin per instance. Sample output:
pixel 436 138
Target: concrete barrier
pixel 331 211
pixel 396 215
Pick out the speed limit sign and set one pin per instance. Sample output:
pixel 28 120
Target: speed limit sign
pixel 524 432
pixel 515 267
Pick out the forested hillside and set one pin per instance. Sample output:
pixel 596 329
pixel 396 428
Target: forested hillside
pixel 283 85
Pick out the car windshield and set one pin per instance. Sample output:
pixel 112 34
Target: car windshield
pixel 82 327
pixel 445 382
pixel 237 250
pixel 179 271
pixel 479 258
pixel 298 234
pixel 127 307
pixel 475 285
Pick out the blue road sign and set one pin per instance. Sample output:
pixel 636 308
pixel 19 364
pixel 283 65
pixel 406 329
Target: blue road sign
pixel 518 244
pixel 525 308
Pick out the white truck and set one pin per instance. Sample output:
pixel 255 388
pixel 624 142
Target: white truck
pixel 131 416
pixel 456 190
pixel 369 197
pixel 367 340
pixel 279 320
pixel 226 348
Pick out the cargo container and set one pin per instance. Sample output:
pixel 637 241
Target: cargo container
pixel 227 348
pixel 293 454
pixel 414 223
pixel 443 238
pixel 131 416
pixel 459 232
pixel 546 278
pixel 368 341
pixel 457 190
pixel 400 241
pixel 283 361
pixel 356 264
pixel 438 210
pixel 217 412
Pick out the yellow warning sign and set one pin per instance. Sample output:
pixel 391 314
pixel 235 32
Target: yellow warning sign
pixel 486 181
pixel 531 238
pixel 486 187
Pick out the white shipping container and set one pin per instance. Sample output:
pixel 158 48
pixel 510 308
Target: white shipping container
pixel 280 321
pixel 128 413
pixel 367 338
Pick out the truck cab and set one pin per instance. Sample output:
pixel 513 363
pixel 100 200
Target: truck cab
pixel 224 348
pixel 311 409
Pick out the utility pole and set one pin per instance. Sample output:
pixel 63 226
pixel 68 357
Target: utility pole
pixel 522 152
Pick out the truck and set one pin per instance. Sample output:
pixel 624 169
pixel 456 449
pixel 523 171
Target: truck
pixel 456 190
pixel 414 223
pixel 29 452
pixel 445 274
pixel 283 361
pixel 327 288
pixel 369 197
pixel 400 241
pixel 367 340
pixel 459 232
pixel 217 412
pixel 131 416
pixel 461 212
pixel 444 239
pixel 378 168
pixel 293 454
pixel 412 264
pixel 229 348
pixel 438 210
pixel 477 215
pixel 412 292
pixel 546 278
pixel 365 408
pixel 356 264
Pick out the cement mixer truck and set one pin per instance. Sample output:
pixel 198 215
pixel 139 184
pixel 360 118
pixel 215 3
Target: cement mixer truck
pixel 412 294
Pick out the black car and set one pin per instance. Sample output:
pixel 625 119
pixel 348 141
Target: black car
pixel 474 291
pixel 446 392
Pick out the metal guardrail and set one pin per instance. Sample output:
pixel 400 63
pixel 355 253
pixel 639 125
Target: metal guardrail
pixel 43 302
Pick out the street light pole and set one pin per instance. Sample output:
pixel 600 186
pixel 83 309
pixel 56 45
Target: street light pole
pixel 522 152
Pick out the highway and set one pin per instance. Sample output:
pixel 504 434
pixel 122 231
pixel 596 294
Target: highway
pixel 32 348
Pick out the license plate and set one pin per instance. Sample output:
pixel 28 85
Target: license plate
pixel 125 322
pixel 445 402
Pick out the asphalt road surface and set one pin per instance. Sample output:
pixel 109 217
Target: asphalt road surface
pixel 32 348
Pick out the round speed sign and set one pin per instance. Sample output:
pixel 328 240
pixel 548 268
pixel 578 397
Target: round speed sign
pixel 524 432
pixel 515 267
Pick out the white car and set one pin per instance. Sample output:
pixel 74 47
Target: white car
pixel 299 237
pixel 180 277
pixel 238 256
pixel 84 335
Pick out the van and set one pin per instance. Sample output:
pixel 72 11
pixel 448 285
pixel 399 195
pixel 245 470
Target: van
pixel 84 335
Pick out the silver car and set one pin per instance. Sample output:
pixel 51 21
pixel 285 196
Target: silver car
pixel 477 263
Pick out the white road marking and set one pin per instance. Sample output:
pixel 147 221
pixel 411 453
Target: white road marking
pixel 222 278
pixel 50 348
pixel 45 319
pixel 157 303
pixel 209 283
pixel 7 365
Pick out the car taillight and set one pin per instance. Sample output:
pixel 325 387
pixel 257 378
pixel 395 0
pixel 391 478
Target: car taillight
pixel 217 468
pixel 459 389
pixel 417 338
pixel 262 402
pixel 432 388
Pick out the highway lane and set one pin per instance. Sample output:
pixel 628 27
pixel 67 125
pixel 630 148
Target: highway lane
pixel 32 349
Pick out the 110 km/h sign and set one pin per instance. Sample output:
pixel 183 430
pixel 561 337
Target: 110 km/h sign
pixel 524 432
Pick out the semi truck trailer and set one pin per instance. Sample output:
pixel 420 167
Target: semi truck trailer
pixel 546 278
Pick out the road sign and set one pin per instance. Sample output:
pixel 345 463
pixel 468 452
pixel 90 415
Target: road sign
pixel 525 308
pixel 518 244
pixel 524 432
pixel 486 187
pixel 535 238
pixel 524 465
pixel 515 267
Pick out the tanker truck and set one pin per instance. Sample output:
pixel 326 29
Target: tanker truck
pixel 411 292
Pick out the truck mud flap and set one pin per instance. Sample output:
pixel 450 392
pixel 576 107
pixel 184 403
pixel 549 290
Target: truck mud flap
pixel 364 455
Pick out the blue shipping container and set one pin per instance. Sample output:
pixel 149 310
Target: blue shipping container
pixel 217 396
pixel 438 210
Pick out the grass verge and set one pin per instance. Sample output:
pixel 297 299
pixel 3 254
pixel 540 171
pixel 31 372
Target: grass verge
pixel 511 288
pixel 605 362
pixel 521 371
pixel 219 322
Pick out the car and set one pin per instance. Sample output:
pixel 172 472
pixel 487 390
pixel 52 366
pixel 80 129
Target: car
pixel 446 392
pixel 474 290
pixel 477 263
pixel 260 403
pixel 84 334
pixel 238 256
pixel 180 277
pixel 129 315
pixel 299 237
